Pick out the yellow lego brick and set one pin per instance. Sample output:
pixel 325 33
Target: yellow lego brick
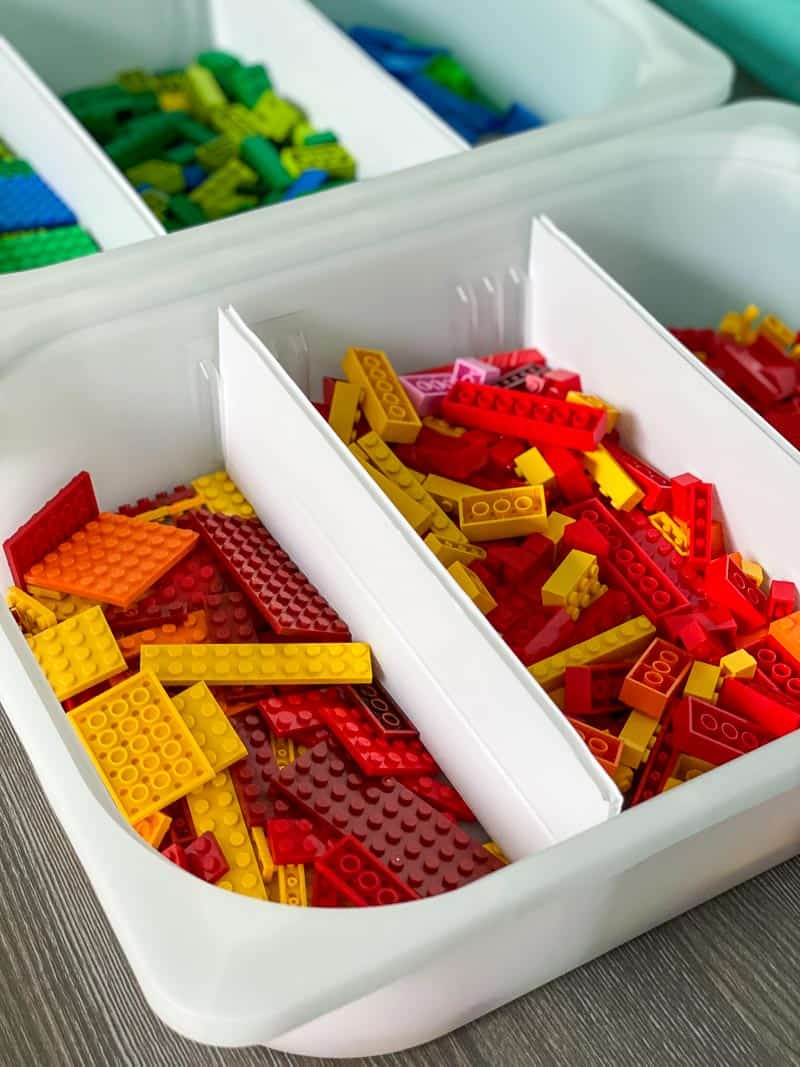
pixel 343 415
pixel 77 653
pixel 670 784
pixel 473 587
pixel 534 468
pixel 556 524
pixel 170 510
pixel 154 828
pixel 292 885
pixel 333 158
pixel 496 851
pixel 443 426
pixel 33 615
pixel 623 778
pixel 775 330
pixel 637 736
pixel 63 605
pixel 753 570
pixel 386 405
pixel 613 480
pixel 210 726
pixel 619 642
pixel 447 492
pixel 282 750
pixel 141 747
pixel 574 584
pixel 453 551
pixel 739 325
pixel 263 854
pixel 215 807
pixel 287 664
pixel 738 664
pixel 381 456
pixel 503 513
pixel 612 413
pixel 676 532
pixel 689 767
pixel 417 513
pixel 703 681
pixel 221 495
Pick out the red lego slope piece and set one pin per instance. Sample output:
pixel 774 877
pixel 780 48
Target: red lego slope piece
pixel 380 710
pixel 325 893
pixel 539 420
pixel 67 512
pixel 293 841
pixel 252 775
pixel 374 753
pixel 293 714
pixel 440 796
pixel 714 734
pixel 655 485
pixel 230 619
pixel 770 708
pixel 279 590
pixel 356 877
pixel 419 845
pixel 160 500
pixel 205 858
pixel 176 854
pixel 594 690
pixel 655 678
pixel 519 357
pixel 728 585
pixel 629 567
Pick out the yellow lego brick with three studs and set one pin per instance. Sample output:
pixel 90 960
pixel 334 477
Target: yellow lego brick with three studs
pixel 534 468
pixel 574 584
pixel 77 653
pixel 154 828
pixel 292 885
pixel 612 479
pixel 473 587
pixel 141 747
pixel 637 737
pixel 278 664
pixel 450 552
pixel 704 681
pixel 385 402
pixel 501 513
pixel 417 513
pixel 222 495
pixel 263 854
pixel 343 414
pixel 380 455
pixel 674 531
pixel 215 807
pixel 447 492
pixel 619 642
pixel 33 616
pixel 210 726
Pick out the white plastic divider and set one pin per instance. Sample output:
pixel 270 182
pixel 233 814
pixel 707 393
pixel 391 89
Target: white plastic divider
pixel 37 127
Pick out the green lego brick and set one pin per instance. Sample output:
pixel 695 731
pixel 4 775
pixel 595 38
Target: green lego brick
pixel 321 137
pixel 136 80
pixel 248 84
pixel 263 157
pixel 143 139
pixel 448 72
pixel 48 246
pixel 191 130
pixel 9 168
pixel 182 153
pixel 184 212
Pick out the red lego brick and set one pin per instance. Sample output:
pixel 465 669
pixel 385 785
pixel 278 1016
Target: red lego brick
pixel 503 453
pixel 594 690
pixel 659 766
pixel 374 753
pixel 282 594
pixel 380 710
pixel 782 599
pixel 294 714
pixel 176 854
pixel 606 750
pixel 653 543
pixel 519 357
pixel 353 875
pixel 252 776
pixel 559 631
pixel 655 678
pixel 690 633
pixel 424 848
pixel 538 420
pixel 629 567
pixel 293 841
pixel 682 486
pixel 145 616
pixel 696 341
pixel 181 831
pixel 159 500
pixel 770 708
pixel 655 485
pixel 205 858
pixel 586 537
pixel 451 457
pixel 441 796
pixel 62 516
pixel 760 372
pixel 230 619
pixel 699 521
pixel 728 585
pixel 325 893
pixel 775 667
pixel 712 733
pixel 573 481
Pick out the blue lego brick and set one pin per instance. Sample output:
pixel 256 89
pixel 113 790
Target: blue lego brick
pixel 309 182
pixel 28 203
pixel 194 175
pixel 518 119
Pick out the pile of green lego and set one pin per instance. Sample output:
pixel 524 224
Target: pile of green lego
pixel 211 140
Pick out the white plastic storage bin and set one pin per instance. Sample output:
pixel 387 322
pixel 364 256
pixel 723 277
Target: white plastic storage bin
pixel 38 127
pixel 623 62
pixel 369 981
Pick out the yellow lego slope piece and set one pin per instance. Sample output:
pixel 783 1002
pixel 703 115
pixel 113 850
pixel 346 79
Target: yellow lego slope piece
pixel 574 584
pixel 77 653
pixel 221 495
pixel 210 726
pixel 617 643
pixel 385 405
pixel 141 746
pixel 215 807
pixel 327 664
pixel 417 513
pixel 33 616
pixel 503 513
pixel 344 410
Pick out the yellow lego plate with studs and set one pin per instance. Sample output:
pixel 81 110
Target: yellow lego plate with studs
pixel 215 807
pixel 77 653
pixel 210 726
pixel 288 664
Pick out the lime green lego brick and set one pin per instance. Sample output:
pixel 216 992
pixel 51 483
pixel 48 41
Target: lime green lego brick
pixel 158 172
pixel 5 151
pixel 263 157
pixel 45 247
pixel 279 117
pixel 248 84
pixel 333 158
pixel 158 202
pixel 136 80
pixel 215 154
pixel 10 168
pixel 220 194
pixel 204 91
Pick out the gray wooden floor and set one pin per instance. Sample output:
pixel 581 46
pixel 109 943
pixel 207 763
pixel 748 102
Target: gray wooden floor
pixel 718 986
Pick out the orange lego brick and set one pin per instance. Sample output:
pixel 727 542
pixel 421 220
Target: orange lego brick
pixel 141 747
pixel 655 678
pixel 154 828
pixel 385 402
pixel 31 614
pixel 113 559
pixel 503 513
pixel 77 653
pixel 605 748
pixel 326 664
pixel 617 643
pixel 222 495
pixel 210 726
pixel 192 631
pixel 786 632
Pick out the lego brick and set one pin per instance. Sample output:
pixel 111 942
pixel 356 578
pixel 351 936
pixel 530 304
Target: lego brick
pixel 713 734
pixel 386 405
pixel 659 766
pixel 183 588
pixel 672 530
pixel 344 411
pixel 474 370
pixel 28 203
pixel 358 877
pixel 144 615
pixel 775 667
pixel 333 158
pixel 738 664
pixel 447 492
pixel 612 413
pixel 384 716
pixel 441 426
pixel 77 653
pixel 418 513
pixel 728 585
pixel 26 251
pixel 459 458
pixel 494 849
pixel 453 551
pixel 574 584
pixel 281 593
pixel 374 753
pixel 283 751
pixel 263 854
pixel 181 497
pixel 655 678
pixel 181 831
pixel 426 391
pixel 616 643
pixel 656 486
pixel 703 681
pixel 534 468
pixel 607 750
pixel 113 559
pixel 771 709
pixel 689 767
pixel 612 479
pixel 67 512
pixel 469 581
pixel 503 513
pixel 698 517
pixel 293 841
pixel 786 633
pixel 32 615
pixel 572 480
pixel 193 630
pixel 222 496
pixel 292 888
pixel 141 747
pixel 253 775
pixel 538 420
pixel 594 690
pixel 440 796
pixel 215 809
pixel 176 854
pixel 294 714
pixel 209 726
pixel 437 855
pixel 584 536
pixel 637 736
pixel 154 828
pixel 230 619
pixel 289 664
pixel 206 859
